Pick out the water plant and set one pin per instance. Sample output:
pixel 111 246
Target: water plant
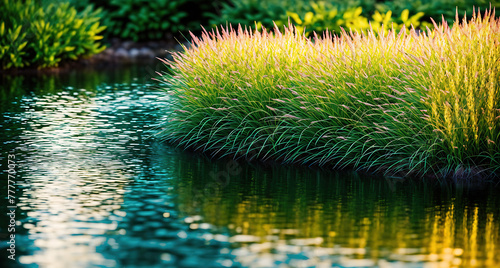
pixel 400 103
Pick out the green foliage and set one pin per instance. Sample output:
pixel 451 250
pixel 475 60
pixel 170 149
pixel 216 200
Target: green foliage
pixel 152 19
pixel 324 18
pixel 31 35
pixel 143 19
pixel 334 14
pixel 310 16
pixel 254 12
pixel 431 8
pixel 436 9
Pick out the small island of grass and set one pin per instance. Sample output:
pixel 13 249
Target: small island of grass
pixel 402 103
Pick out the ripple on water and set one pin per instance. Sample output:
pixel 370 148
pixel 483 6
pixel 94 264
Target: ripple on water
pixel 93 195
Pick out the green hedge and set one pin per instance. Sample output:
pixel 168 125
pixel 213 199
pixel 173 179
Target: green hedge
pixel 32 35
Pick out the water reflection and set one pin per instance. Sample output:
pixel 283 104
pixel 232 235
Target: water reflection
pixel 302 218
pixel 94 189
pixel 78 163
pixel 14 87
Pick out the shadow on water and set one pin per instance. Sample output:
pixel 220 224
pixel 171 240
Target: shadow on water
pixel 94 189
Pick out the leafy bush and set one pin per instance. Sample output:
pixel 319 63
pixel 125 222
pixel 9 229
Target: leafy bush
pixel 400 104
pixel 311 16
pixel 31 35
pixel 435 9
pixel 333 14
pixel 252 12
pixel 324 18
pixel 431 8
pixel 152 19
pixel 143 19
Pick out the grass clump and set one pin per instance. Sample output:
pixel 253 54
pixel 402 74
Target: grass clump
pixel 398 103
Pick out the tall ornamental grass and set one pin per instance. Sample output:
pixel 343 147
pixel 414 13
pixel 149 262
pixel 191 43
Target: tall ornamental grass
pixel 406 103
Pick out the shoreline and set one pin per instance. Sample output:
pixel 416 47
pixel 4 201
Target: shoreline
pixel 118 52
pixel 469 176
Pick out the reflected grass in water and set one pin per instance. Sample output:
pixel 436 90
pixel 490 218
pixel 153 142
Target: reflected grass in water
pixel 280 210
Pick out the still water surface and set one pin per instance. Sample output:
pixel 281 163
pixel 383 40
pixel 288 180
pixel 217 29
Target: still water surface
pixel 95 189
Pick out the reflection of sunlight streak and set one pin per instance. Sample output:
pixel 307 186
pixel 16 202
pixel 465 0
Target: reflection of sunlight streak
pixel 78 183
pixel 364 248
pixel 490 244
pixel 473 239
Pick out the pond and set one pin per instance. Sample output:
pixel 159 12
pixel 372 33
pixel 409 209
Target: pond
pixel 94 188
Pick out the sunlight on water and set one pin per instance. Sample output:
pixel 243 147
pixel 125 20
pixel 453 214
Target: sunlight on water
pixel 78 165
pixel 96 190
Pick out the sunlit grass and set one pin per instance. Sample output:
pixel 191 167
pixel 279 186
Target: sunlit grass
pixel 402 103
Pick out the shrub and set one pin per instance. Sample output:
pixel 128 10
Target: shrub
pixel 31 35
pixel 311 16
pixel 435 9
pixel 324 18
pixel 152 19
pixel 328 18
pixel 143 19
pixel 252 12
pixel 334 14
pixel 404 103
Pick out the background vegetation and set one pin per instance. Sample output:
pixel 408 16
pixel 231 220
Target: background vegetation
pixel 333 14
pixel 70 29
pixel 141 20
pixel 43 36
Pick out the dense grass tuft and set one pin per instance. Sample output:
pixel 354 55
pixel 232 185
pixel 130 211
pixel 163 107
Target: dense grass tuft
pixel 398 103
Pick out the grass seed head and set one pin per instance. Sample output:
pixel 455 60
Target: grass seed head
pixel 436 91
